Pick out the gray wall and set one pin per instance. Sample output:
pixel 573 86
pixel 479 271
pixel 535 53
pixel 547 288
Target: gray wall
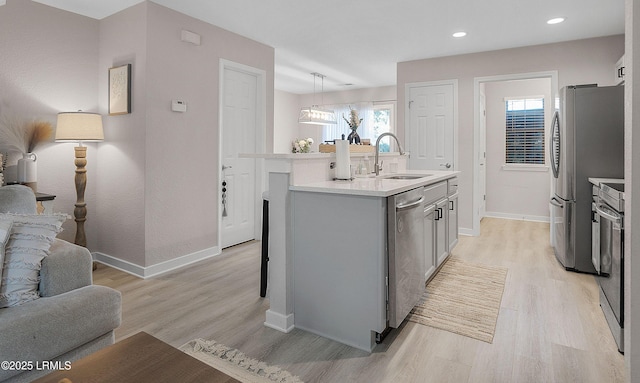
pixel 171 158
pixel 577 62
pixel 49 61
pixel 152 184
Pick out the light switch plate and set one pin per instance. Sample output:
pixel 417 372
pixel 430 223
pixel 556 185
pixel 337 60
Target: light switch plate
pixel 178 106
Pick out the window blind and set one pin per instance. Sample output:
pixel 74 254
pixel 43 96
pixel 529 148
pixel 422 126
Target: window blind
pixel 525 131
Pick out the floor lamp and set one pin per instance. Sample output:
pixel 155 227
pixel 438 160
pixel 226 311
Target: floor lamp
pixel 79 127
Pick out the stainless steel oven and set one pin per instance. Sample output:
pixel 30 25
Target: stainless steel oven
pixel 608 254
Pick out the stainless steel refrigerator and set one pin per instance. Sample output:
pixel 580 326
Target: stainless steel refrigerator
pixel 587 140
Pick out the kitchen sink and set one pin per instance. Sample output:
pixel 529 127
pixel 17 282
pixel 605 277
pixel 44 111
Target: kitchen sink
pixel 406 176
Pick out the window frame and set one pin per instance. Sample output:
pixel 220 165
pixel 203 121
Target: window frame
pixel 370 107
pixel 391 106
pixel 526 166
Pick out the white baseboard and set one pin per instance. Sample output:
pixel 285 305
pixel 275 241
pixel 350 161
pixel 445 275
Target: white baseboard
pixel 158 268
pixel 280 322
pixel 465 231
pixel 517 217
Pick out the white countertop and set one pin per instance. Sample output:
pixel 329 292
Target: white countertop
pixel 376 186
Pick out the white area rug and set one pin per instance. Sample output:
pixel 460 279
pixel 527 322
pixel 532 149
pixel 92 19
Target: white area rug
pixel 236 364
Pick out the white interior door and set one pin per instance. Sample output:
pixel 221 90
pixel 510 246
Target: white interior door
pixel 239 126
pixel 482 155
pixel 431 133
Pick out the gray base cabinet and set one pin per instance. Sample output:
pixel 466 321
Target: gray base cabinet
pixel 442 246
pixel 340 266
pixel 453 221
pixel 440 223
pixel 429 240
pixel 346 286
pixel 452 231
pixel 435 223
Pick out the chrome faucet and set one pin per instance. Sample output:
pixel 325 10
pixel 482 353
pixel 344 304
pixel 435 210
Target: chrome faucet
pixel 379 167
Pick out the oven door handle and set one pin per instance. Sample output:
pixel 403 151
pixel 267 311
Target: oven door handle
pixel 606 215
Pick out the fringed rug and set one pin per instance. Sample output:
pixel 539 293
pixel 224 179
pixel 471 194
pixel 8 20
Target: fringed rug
pixel 463 298
pixel 236 364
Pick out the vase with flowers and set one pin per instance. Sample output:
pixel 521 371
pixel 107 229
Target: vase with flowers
pixel 353 122
pixel 17 135
pixel 301 146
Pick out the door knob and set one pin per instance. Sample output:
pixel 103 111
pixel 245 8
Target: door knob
pixel 447 165
pixel 224 167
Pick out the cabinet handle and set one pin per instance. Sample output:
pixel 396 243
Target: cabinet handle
pixel 450 205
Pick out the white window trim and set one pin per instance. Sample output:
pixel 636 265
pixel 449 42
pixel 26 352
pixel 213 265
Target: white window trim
pixel 528 167
pixel 523 98
pixel 525 168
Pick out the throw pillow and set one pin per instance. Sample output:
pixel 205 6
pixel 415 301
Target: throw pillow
pixel 5 230
pixel 29 242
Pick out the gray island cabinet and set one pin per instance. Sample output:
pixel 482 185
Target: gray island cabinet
pixel 341 263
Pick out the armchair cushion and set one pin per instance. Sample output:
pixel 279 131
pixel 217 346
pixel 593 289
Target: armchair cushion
pixel 5 230
pixel 17 199
pixel 29 242
pixel 66 268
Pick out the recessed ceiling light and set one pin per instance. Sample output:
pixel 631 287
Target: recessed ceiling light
pixel 557 20
pixel 460 34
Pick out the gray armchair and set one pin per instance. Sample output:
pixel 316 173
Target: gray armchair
pixel 72 318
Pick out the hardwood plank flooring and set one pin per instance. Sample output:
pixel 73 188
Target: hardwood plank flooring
pixel 550 327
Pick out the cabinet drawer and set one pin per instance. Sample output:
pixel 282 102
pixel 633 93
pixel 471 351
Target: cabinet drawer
pixel 452 184
pixel 434 192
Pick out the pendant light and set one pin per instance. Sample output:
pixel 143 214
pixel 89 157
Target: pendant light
pixel 313 114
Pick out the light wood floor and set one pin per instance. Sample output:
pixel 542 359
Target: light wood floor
pixel 550 327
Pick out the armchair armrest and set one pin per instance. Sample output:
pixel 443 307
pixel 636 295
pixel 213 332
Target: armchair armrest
pixel 67 267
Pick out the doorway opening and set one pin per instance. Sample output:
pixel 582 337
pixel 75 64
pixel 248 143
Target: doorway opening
pixel 479 209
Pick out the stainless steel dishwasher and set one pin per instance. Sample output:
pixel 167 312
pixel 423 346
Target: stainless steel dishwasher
pixel 406 253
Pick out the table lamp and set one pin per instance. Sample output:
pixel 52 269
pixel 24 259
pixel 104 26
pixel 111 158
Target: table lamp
pixel 78 127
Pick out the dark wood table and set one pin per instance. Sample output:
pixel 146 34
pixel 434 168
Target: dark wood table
pixel 138 359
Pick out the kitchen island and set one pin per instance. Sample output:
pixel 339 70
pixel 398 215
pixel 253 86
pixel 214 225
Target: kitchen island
pixel 358 269
pixel 312 217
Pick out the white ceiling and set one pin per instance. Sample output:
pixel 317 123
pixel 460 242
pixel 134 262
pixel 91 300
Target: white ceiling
pixel 359 42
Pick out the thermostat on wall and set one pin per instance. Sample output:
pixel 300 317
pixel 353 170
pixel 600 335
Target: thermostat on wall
pixel 178 106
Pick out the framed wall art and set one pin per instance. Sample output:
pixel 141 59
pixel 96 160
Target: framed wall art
pixel 120 90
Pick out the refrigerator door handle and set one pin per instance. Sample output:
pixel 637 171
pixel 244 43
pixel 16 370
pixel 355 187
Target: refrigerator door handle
pixel 554 145
pixel 554 201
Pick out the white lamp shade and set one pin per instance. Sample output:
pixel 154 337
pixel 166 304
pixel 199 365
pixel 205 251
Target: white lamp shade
pixel 79 126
